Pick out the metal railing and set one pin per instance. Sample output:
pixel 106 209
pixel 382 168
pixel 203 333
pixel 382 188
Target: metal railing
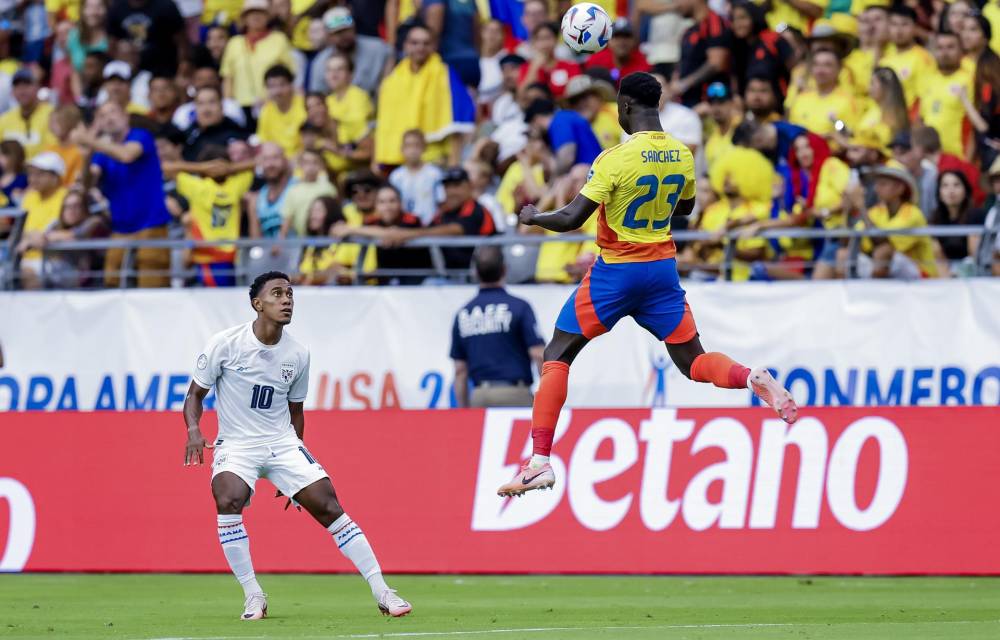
pixel 853 237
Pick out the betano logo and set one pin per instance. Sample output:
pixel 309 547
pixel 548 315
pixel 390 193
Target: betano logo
pixel 827 470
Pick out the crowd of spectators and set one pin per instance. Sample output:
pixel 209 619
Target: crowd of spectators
pixel 401 119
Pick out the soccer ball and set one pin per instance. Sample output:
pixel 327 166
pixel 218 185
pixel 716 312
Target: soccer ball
pixel 586 28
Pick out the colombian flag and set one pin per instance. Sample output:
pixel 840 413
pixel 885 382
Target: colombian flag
pixel 432 99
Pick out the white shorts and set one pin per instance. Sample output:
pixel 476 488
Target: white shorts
pixel 287 464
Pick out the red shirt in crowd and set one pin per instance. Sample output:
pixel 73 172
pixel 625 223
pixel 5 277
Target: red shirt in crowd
pixel 556 78
pixel 604 58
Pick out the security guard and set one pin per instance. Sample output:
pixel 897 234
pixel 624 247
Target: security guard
pixel 494 340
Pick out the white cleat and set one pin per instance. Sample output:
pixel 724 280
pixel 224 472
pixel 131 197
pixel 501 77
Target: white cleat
pixel 255 607
pixel 392 605
pixel 763 384
pixel 528 479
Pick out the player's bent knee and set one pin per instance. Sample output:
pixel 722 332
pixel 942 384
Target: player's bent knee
pixel 228 505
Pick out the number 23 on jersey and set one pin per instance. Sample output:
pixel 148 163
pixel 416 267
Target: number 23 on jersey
pixel 673 184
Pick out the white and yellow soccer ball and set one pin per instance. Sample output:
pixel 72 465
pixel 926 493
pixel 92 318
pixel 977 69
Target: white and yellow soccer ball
pixel 586 28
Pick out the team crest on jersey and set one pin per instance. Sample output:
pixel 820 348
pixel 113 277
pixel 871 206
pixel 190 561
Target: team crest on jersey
pixel 202 361
pixel 287 372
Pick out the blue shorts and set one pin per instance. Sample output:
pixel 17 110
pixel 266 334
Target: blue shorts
pixel 650 292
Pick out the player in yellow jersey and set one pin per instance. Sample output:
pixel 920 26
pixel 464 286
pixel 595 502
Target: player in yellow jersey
pixel 635 188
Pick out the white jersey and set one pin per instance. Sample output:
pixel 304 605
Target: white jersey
pixel 254 382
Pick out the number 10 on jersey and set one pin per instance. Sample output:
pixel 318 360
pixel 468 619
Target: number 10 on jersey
pixel 261 397
pixel 652 184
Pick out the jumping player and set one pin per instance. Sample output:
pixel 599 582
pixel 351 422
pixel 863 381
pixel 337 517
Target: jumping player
pixel 261 375
pixel 636 187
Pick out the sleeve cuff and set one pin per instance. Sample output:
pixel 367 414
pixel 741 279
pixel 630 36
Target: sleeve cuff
pixel 203 385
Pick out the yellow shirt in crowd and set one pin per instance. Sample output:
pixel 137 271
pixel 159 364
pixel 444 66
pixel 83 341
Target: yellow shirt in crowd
pixel 283 128
pixel 222 12
pixel 919 249
pixel 942 109
pixel 73 159
pixel 554 257
pixel 606 127
pixel 819 113
pixel 215 212
pixel 830 187
pixel 784 13
pixel 511 181
pixel 909 66
pixel 244 66
pixel 717 143
pixel 860 63
pixel 33 133
pixel 41 213
pixel 991 11
pixel 70 9
pixel 716 215
pixel 354 113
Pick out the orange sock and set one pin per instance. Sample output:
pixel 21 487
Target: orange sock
pixel 548 403
pixel 720 370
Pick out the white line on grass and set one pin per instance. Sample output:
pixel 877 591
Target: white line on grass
pixel 747 625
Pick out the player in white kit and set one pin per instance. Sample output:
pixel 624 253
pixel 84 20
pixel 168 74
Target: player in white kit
pixel 261 375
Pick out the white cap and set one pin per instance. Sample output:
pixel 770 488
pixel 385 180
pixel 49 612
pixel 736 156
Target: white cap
pixel 118 69
pixel 49 161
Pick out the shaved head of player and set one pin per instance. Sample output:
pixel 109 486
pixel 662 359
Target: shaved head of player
pixel 636 188
pixel 261 377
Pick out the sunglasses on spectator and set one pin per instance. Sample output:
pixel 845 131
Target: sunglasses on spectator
pixel 362 188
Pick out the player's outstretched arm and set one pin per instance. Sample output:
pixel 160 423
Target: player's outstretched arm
pixel 194 405
pixel 568 218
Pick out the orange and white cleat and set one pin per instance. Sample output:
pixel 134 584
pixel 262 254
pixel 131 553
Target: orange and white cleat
pixel 391 604
pixel 528 479
pixel 255 607
pixel 763 384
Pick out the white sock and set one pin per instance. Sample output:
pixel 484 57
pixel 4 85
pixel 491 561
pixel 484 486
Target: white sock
pixel 236 546
pixel 352 543
pixel 538 461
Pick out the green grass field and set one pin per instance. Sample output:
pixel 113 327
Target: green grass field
pixel 545 607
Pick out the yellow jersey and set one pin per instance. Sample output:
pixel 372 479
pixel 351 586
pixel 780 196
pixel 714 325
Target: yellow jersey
pixel 833 178
pixel 221 12
pixel 910 66
pixel 917 248
pixel 41 213
pixel 507 192
pixel 606 127
pixel 554 257
pixel 991 11
pixel 354 113
pixel 33 133
pixel 861 64
pixel 244 65
pixel 215 212
pixel 941 109
pixel 819 113
pixel 714 218
pixel 637 185
pixel 784 13
pixel 283 128
pixel 64 9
